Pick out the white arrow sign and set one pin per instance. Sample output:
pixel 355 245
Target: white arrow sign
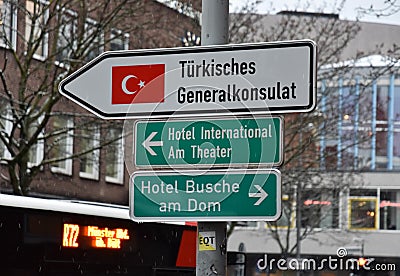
pixel 261 194
pixel 147 144
pixel 259 78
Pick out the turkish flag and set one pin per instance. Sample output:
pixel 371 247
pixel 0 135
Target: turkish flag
pixel 138 84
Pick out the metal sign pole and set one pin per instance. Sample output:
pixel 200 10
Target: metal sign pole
pixel 211 236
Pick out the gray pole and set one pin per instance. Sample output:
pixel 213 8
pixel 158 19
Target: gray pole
pixel 214 22
pixel 214 30
pixel 298 224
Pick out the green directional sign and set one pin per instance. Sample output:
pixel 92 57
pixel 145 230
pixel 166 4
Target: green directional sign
pixel 194 143
pixel 224 195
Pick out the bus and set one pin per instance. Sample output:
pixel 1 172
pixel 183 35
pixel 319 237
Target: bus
pixel 63 237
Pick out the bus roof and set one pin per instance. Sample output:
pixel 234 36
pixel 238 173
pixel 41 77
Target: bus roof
pixel 66 206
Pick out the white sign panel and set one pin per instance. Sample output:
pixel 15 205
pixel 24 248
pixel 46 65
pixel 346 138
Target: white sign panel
pixel 260 78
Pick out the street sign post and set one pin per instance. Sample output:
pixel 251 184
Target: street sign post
pixel 245 79
pixel 211 141
pixel 260 78
pixel 218 195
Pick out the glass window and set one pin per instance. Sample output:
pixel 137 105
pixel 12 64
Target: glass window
pixel 114 156
pixel 8 24
pixel 331 101
pixel 330 152
pixel 348 146
pixel 35 154
pixel 356 132
pixel 66 42
pixel 36 151
pixel 36 21
pixel 365 108
pixel 389 207
pixel 382 103
pixel 382 127
pixel 349 104
pixel 89 162
pixel 396 149
pixel 6 126
pixel 363 213
pixel 93 40
pixel 319 209
pixel 62 144
pixel 397 103
pixel 364 132
pixel 396 134
pixel 381 147
pixel 364 148
pixel 119 41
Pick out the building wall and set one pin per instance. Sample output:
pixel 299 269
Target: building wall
pixel 372 165
pixel 372 38
pixel 325 241
pixel 152 25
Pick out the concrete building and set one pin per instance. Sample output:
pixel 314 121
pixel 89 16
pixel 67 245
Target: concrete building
pixel 342 223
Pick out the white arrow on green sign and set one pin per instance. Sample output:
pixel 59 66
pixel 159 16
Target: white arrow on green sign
pixel 206 196
pixel 193 143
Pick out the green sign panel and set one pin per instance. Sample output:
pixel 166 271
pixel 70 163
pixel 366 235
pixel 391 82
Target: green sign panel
pixel 193 143
pixel 222 195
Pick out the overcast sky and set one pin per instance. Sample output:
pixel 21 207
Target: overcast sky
pixel 349 10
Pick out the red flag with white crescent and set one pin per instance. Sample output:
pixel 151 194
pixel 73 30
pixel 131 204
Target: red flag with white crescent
pixel 138 84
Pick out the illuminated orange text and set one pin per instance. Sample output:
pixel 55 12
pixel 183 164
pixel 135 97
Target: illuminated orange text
pixel 106 238
pixel 70 236
pixel 99 237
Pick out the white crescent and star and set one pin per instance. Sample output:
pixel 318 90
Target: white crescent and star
pixel 125 80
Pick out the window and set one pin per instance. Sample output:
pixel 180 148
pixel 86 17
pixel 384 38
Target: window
pixel 37 15
pixel 368 126
pixel 355 123
pixel 66 42
pixel 6 126
pixel 62 144
pixel 36 151
pixel 363 213
pixel 389 210
pixel 114 157
pixel 329 144
pixel 8 24
pixel 89 162
pixel 396 147
pixel 396 130
pixel 319 208
pixel 363 129
pixel 119 41
pixel 382 127
pixel 93 40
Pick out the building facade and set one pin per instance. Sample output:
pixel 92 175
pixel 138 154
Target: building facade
pixel 350 208
pixel 50 146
